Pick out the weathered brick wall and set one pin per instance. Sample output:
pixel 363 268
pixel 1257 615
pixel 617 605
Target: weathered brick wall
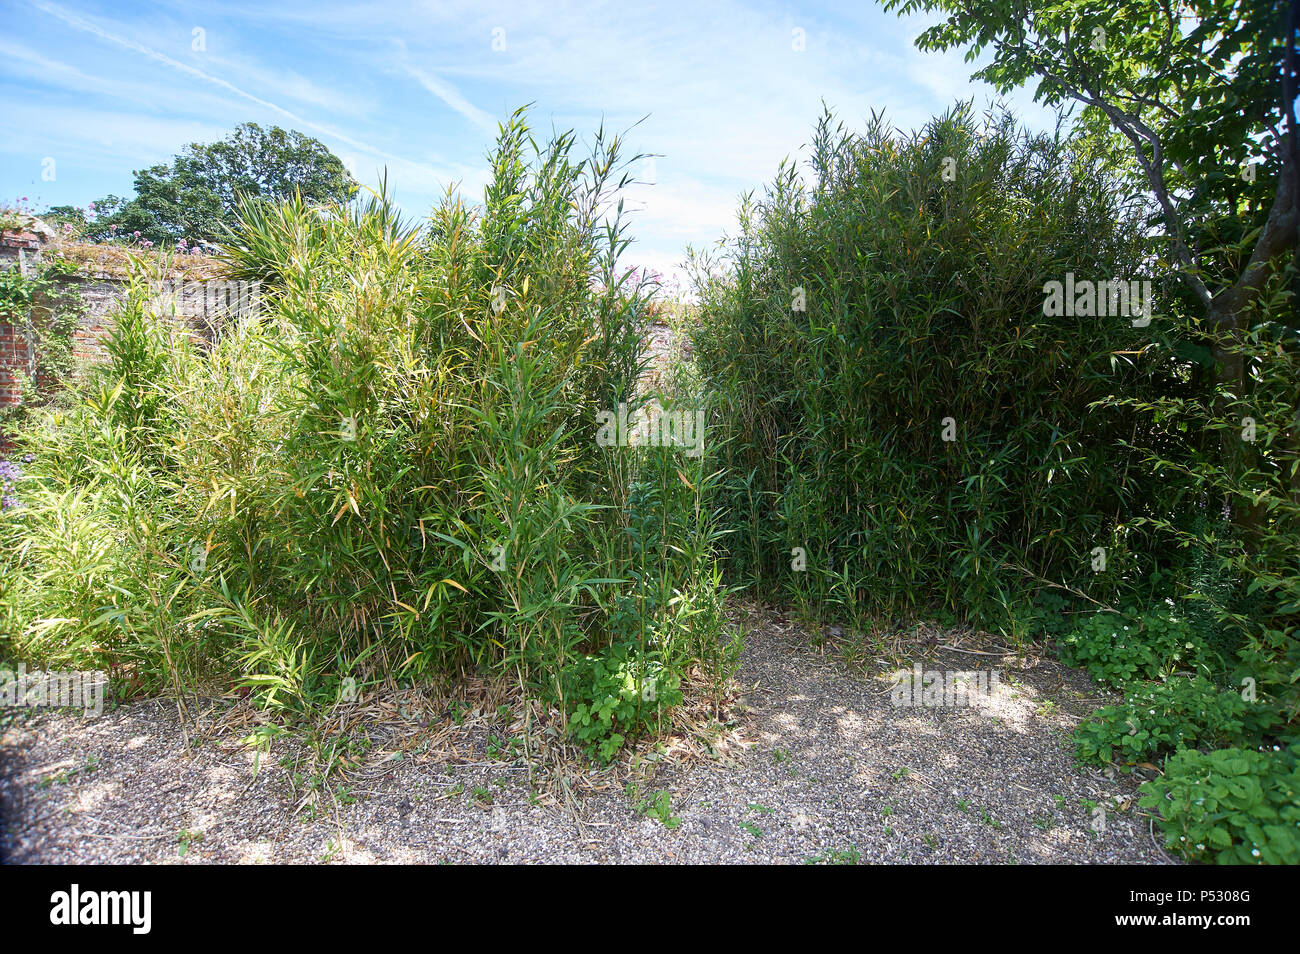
pixel 198 307
pixel 14 358
pixel 21 250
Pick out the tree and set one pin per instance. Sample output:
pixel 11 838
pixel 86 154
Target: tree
pixel 197 195
pixel 1203 91
pixel 1203 94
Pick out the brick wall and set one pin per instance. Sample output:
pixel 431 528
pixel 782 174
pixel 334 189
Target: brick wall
pixel 200 307
pixel 20 250
pixel 14 357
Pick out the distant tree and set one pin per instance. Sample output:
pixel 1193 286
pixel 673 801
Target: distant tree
pixel 196 195
pixel 65 216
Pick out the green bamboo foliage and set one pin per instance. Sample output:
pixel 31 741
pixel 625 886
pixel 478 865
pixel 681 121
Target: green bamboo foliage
pixel 893 399
pixel 390 471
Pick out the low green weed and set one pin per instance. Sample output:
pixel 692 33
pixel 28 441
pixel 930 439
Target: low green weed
pixel 1230 806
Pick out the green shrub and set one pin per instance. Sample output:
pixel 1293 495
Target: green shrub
pixel 391 472
pixel 1158 718
pixel 1118 649
pixel 1231 806
pixel 44 307
pixel 861 318
pixel 617 696
pixel 1228 453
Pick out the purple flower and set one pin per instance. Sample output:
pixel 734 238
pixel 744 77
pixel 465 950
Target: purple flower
pixel 9 475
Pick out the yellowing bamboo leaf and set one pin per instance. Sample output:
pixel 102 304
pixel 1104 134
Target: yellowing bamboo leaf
pixel 342 511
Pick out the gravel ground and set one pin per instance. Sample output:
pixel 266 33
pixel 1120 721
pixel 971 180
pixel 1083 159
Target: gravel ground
pixel 821 766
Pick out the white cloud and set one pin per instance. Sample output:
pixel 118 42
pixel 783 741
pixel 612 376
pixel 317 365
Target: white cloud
pixel 723 94
pixel 451 97
pixel 80 23
pixel 113 141
pixel 292 85
pixel 40 70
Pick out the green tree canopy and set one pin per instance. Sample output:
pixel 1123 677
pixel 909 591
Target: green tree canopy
pixel 1202 91
pixel 196 196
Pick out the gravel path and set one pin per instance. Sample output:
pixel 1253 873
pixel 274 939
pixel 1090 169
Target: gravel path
pixel 827 769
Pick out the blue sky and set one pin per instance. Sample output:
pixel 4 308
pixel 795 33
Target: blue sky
pixel 418 88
